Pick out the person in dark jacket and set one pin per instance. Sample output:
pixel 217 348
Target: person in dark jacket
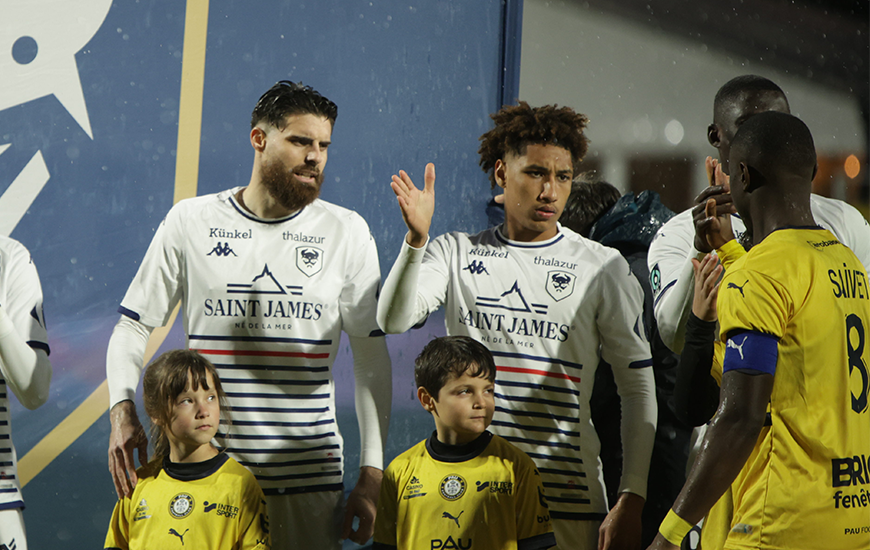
pixel 598 211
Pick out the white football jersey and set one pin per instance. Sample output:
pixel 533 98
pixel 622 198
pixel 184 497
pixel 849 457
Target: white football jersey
pixel 544 310
pixel 266 300
pixel 670 254
pixel 21 297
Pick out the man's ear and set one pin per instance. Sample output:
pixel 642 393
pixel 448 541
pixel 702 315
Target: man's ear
pixel 713 135
pixel 258 139
pixel 426 399
pixel 745 182
pixel 498 173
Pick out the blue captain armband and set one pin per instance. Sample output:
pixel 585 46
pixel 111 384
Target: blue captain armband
pixel 752 351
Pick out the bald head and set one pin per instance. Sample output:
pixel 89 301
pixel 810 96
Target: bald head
pixel 778 144
pixel 773 160
pixel 736 101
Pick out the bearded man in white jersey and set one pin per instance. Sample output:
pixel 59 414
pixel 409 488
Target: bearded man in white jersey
pixel 547 303
pixel 268 276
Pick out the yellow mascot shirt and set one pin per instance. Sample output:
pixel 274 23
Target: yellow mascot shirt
pixel 486 495
pixel 211 505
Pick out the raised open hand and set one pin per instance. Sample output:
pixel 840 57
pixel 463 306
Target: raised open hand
pixel 417 205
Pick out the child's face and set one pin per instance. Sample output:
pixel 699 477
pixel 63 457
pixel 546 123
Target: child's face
pixel 464 408
pixel 194 422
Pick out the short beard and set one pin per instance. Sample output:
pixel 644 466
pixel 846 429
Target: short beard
pixel 286 189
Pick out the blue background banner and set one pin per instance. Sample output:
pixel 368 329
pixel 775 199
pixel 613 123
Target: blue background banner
pixel 90 94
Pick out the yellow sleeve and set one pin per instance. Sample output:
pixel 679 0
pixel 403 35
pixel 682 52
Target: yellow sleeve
pixel 253 519
pixel 718 359
pixel 118 536
pixel 749 300
pixel 388 512
pixel 533 513
pixel 730 252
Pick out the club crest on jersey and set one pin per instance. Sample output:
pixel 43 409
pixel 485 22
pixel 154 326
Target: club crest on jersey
pixel 309 260
pixel 181 505
pixel 452 487
pixel 560 284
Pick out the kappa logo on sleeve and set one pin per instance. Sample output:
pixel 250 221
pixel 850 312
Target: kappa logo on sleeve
pixel 222 249
pixel 476 268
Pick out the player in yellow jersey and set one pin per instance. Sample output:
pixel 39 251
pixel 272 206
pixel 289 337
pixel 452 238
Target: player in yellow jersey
pixel 793 312
pixel 463 487
pixel 190 495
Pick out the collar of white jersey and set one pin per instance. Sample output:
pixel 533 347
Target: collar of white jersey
pixel 253 217
pixel 537 244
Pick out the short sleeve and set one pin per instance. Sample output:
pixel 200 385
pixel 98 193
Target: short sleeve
pixel 118 536
pixel 23 298
pixel 534 529
pixel 385 537
pixel 358 301
pixel 157 286
pixel 751 301
pixel 253 518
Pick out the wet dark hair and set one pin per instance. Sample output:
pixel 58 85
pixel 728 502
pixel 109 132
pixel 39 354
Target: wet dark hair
pixel 589 200
pixel 288 98
pixel 165 379
pixel 448 357
pixel 520 125
pixel 748 83
pixel 776 143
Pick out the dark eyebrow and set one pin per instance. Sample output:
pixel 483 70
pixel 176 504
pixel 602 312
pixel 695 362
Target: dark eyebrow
pixel 306 139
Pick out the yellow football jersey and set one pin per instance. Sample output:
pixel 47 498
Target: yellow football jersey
pixel 806 484
pixel 212 505
pixel 491 498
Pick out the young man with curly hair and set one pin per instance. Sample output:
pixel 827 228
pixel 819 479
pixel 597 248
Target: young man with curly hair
pixel 545 301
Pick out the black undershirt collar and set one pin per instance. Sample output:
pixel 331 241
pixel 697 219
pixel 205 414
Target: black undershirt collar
pixel 191 471
pixel 443 452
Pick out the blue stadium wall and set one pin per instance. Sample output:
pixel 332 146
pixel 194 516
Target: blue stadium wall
pixel 100 132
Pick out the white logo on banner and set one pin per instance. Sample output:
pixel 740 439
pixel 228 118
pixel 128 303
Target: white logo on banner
pixel 38 43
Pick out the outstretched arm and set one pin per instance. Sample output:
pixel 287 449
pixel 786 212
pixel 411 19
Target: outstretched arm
pixel 123 367
pixel 373 399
